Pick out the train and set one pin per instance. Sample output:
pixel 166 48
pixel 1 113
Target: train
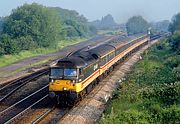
pixel 74 76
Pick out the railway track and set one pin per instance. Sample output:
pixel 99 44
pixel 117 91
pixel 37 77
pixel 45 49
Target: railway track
pixel 42 116
pixel 13 112
pixel 11 87
pixel 52 116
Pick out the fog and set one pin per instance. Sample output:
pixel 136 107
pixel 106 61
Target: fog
pixel 121 10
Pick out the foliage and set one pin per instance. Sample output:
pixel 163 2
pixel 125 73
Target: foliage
pixel 33 26
pixel 26 43
pixel 74 25
pixel 34 21
pixel 136 24
pixel 9 59
pixel 175 41
pixel 175 24
pixel 151 93
pixel 1 23
pixel 161 26
pixel 106 23
pixel 8 45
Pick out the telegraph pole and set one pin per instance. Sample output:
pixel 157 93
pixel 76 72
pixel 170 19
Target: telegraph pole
pixel 149 36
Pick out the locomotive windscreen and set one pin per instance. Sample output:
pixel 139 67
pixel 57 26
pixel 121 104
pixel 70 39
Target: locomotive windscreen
pixel 70 72
pixel 62 72
pixel 56 72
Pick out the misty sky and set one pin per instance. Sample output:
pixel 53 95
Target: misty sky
pixel 121 10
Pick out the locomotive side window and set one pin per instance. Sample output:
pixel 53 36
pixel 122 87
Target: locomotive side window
pixel 80 71
pixel 111 56
pixel 103 61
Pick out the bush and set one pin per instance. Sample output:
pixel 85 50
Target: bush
pixel 173 61
pixel 35 23
pixel 175 42
pixel 2 52
pixel 8 45
pixel 151 94
pixel 166 94
pixel 26 43
pixel 127 117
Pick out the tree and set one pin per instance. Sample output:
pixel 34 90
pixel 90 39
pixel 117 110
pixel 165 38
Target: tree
pixel 161 26
pixel 1 23
pixel 136 24
pixel 175 41
pixel 7 45
pixel 74 24
pixel 35 21
pixel 175 24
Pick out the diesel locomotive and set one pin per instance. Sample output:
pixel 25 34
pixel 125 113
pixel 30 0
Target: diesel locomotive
pixel 72 77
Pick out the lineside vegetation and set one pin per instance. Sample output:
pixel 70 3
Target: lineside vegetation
pixel 151 93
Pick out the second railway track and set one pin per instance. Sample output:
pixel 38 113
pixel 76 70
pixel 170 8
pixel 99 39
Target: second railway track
pixel 11 87
pixel 22 105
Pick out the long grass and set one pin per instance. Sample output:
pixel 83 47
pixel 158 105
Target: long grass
pixel 10 59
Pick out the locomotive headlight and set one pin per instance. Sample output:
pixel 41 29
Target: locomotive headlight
pixel 73 81
pixel 52 80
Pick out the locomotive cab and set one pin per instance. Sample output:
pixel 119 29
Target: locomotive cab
pixel 65 79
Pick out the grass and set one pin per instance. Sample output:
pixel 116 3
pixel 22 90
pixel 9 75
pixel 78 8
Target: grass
pixel 5 74
pixel 110 32
pixel 10 59
pixel 151 93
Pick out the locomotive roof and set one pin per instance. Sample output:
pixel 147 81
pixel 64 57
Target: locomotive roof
pixel 117 43
pixel 102 50
pixel 76 62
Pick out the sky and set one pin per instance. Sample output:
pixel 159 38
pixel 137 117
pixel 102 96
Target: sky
pixel 121 10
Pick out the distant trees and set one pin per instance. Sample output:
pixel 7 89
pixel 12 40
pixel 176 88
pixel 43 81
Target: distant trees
pixel 174 27
pixel 136 24
pixel 32 26
pixel 161 26
pixel 175 24
pixel 33 23
pixel 73 24
pixel 175 41
pixel 1 23
pixel 107 22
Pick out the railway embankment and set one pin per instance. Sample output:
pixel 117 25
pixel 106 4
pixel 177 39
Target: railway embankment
pixel 151 92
